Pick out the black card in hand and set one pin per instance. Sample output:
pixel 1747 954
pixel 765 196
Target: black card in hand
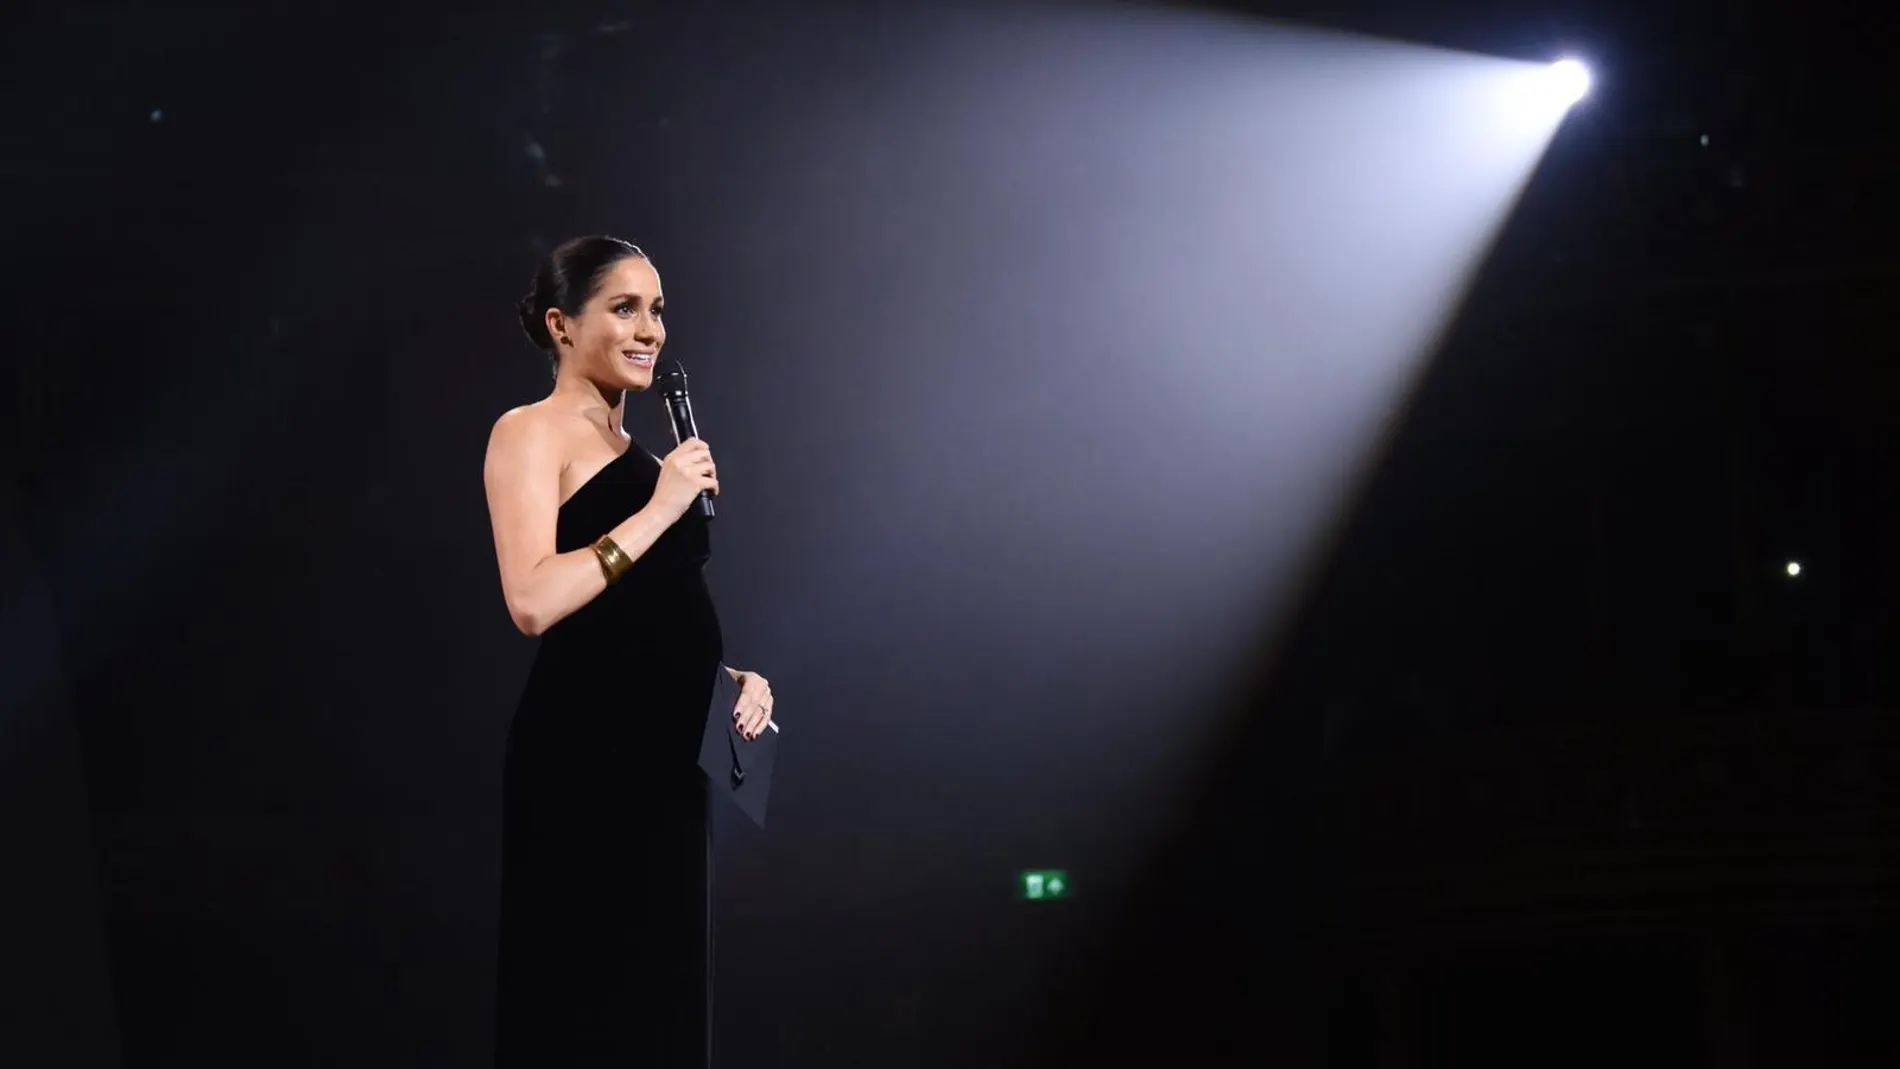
pixel 739 768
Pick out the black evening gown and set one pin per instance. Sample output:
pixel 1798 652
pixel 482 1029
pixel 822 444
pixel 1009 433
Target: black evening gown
pixel 604 926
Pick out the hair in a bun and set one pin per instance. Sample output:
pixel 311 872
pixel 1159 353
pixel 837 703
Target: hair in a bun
pixel 567 280
pixel 535 323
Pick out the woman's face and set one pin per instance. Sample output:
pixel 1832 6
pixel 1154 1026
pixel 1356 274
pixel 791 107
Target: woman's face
pixel 617 337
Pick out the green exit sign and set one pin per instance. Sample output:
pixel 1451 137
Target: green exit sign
pixel 1040 885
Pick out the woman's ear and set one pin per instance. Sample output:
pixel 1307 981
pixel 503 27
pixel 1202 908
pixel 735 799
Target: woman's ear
pixel 557 327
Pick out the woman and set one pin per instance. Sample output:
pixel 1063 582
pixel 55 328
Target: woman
pixel 604 927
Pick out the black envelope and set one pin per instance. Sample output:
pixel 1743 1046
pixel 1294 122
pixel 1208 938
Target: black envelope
pixel 739 768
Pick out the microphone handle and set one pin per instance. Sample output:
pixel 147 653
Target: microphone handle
pixel 681 411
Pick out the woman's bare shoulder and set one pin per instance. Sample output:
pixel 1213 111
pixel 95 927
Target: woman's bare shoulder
pixel 528 426
pixel 533 437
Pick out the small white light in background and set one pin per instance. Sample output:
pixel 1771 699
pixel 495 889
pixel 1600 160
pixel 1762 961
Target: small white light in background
pixel 1794 568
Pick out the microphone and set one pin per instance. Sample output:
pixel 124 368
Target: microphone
pixel 670 377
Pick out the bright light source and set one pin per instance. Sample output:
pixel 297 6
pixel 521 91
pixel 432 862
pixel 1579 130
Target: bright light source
pixel 1569 82
pixel 1541 94
pixel 1794 568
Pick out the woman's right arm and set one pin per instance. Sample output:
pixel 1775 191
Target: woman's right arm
pixel 523 477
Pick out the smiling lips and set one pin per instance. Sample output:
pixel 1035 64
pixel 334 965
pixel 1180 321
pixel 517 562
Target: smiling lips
pixel 640 360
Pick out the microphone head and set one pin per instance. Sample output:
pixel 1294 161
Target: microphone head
pixel 670 377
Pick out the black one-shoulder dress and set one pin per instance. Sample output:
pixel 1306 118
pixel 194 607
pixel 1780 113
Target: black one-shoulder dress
pixel 605 933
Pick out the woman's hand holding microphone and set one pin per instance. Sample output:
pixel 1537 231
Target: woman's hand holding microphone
pixel 685 472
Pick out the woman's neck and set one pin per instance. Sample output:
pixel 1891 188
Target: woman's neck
pixel 592 400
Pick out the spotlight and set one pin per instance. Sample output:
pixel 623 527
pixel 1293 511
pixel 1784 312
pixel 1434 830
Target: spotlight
pixel 1794 568
pixel 1569 81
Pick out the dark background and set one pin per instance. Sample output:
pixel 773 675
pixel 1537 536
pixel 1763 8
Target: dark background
pixel 1543 757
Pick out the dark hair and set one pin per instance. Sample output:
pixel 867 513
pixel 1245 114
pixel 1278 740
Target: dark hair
pixel 568 279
